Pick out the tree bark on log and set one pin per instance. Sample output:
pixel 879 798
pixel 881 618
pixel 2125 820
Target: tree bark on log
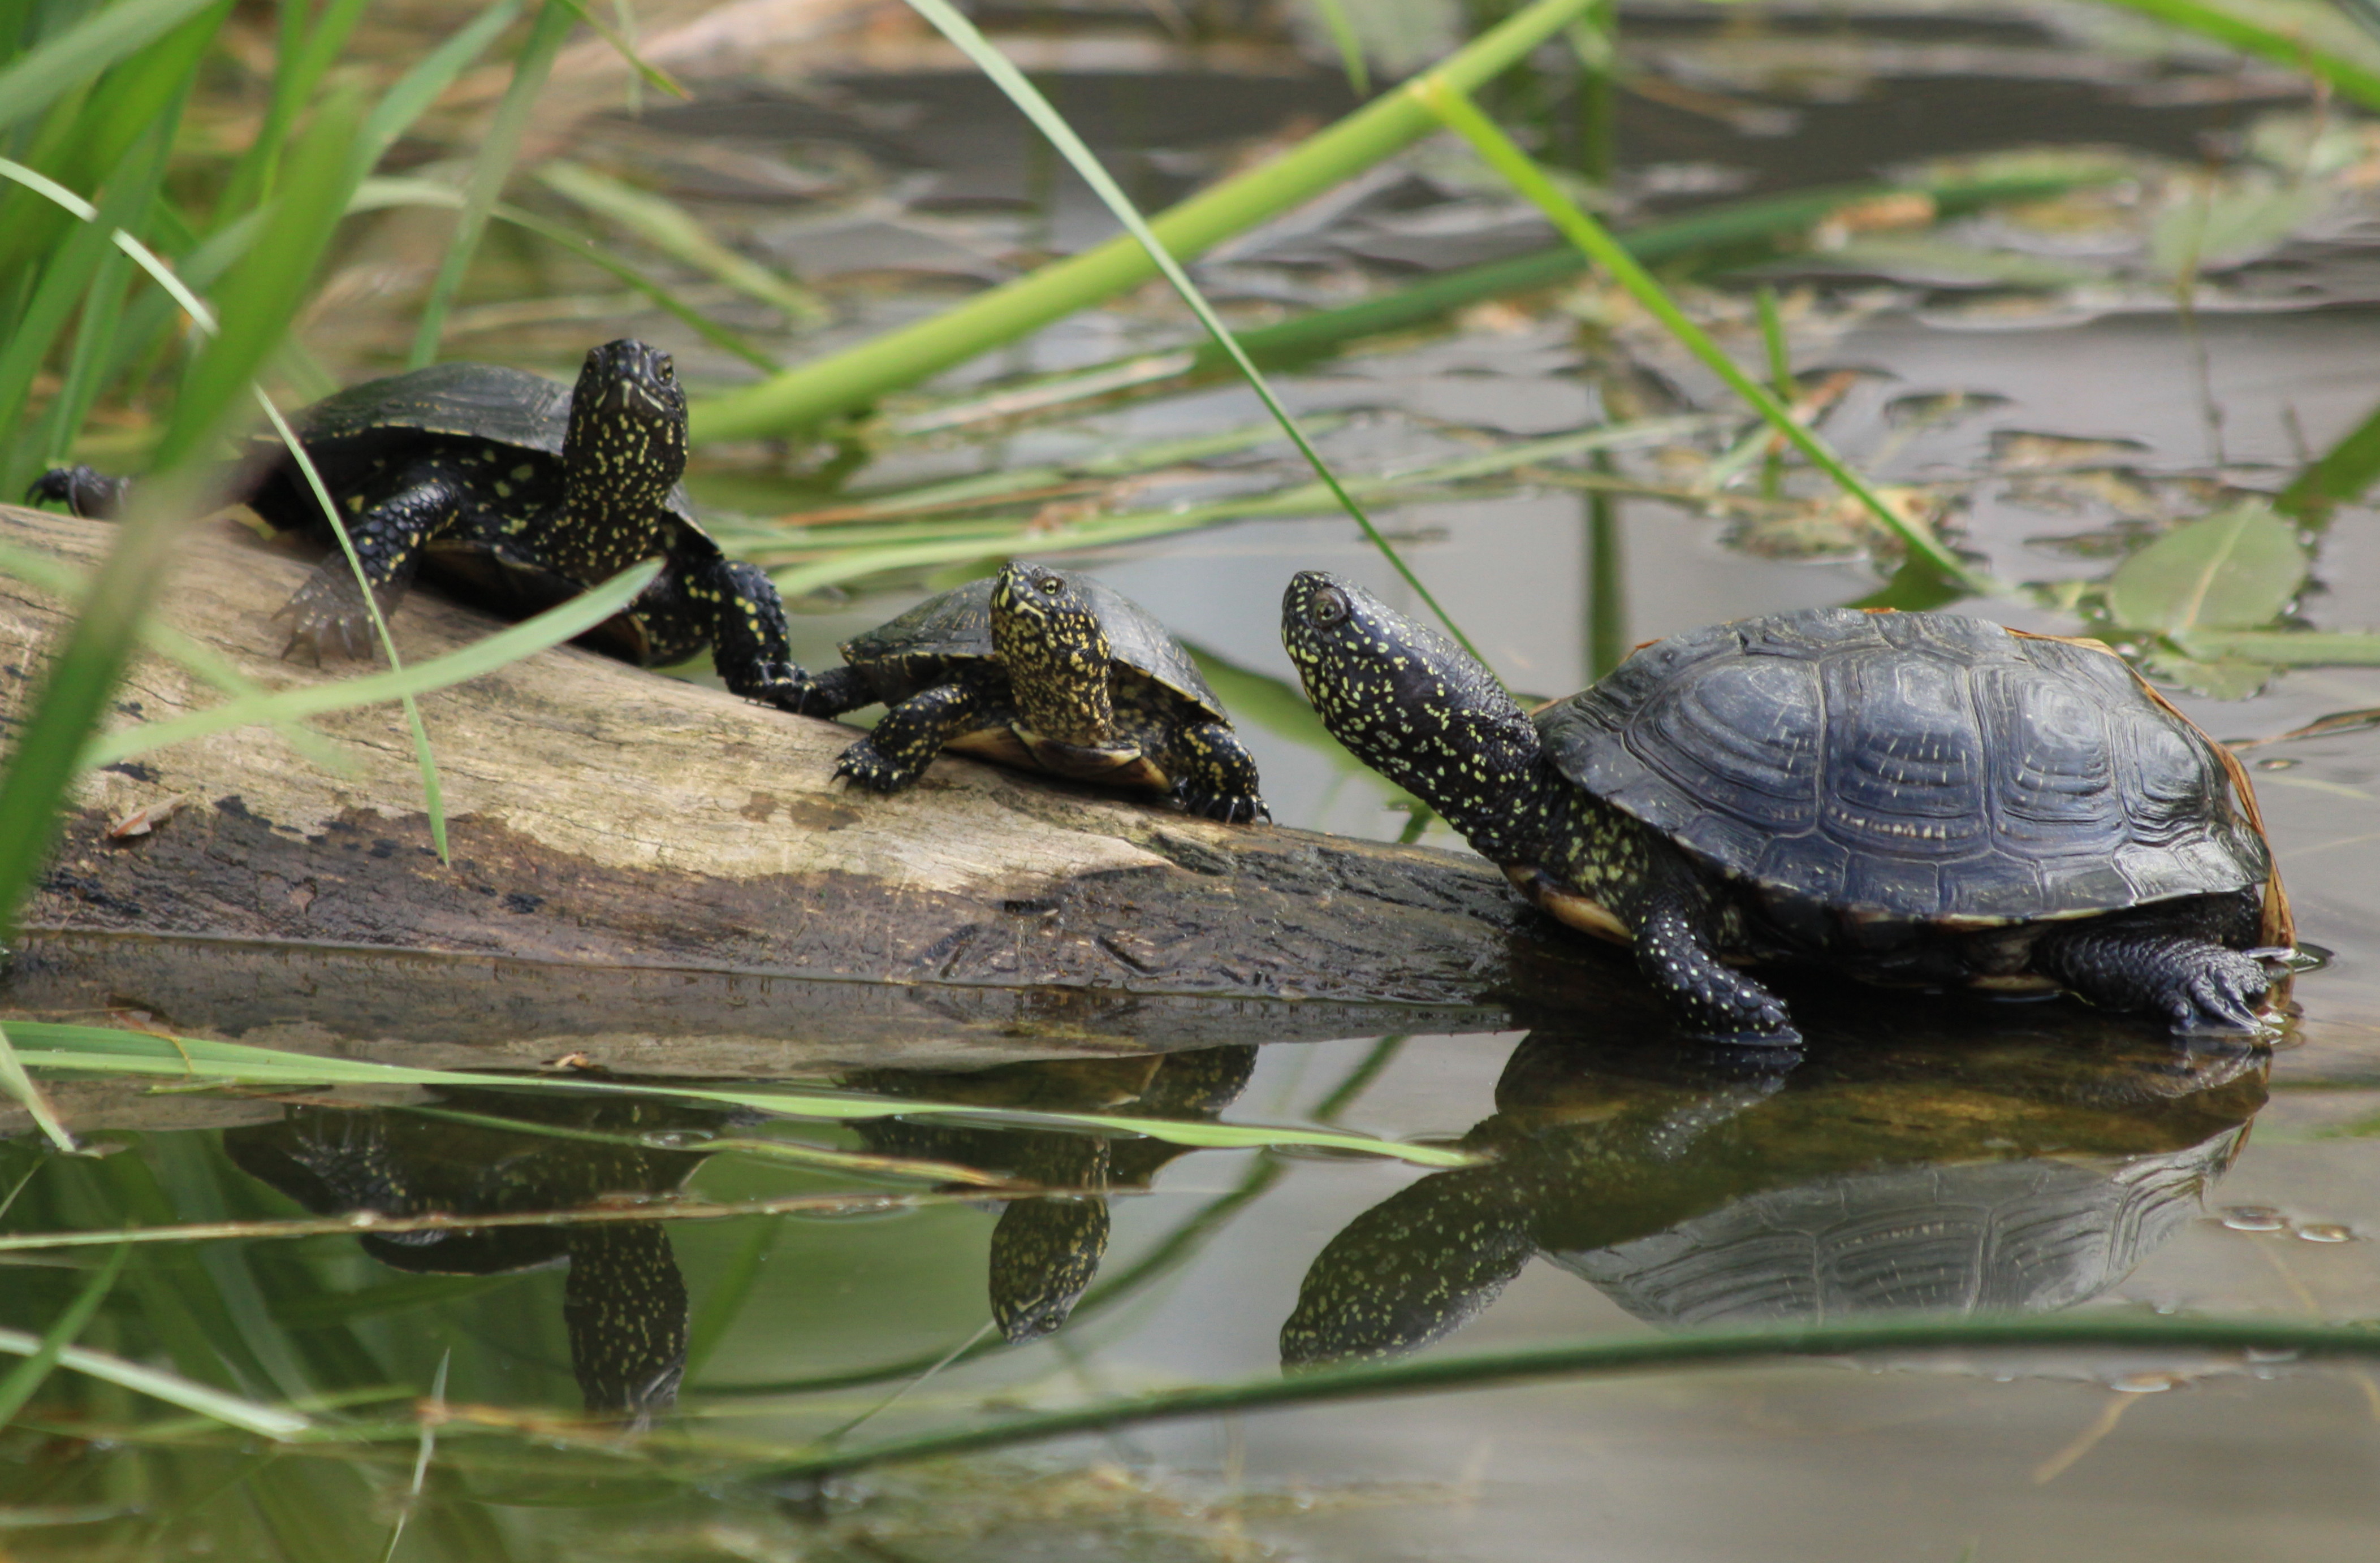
pixel 602 816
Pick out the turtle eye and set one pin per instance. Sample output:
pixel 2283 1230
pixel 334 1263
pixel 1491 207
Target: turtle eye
pixel 667 371
pixel 1329 607
pixel 1051 585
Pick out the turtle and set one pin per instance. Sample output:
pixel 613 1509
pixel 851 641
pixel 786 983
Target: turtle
pixel 1045 668
pixel 1912 799
pixel 518 485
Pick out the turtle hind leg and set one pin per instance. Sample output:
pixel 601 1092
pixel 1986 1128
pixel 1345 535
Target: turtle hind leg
pixel 1215 775
pixel 2174 967
pixel 897 752
pixel 82 489
pixel 1674 952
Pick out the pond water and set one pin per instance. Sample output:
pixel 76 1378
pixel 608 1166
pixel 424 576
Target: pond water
pixel 1925 1153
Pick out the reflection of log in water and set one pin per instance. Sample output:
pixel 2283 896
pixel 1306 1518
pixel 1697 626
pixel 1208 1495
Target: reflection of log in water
pixel 623 1300
pixel 1985 1178
pixel 603 814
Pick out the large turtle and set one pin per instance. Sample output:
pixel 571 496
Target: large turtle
pixel 520 486
pixel 1911 798
pixel 1044 669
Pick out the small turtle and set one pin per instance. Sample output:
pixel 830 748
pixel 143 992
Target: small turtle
pixel 1045 668
pixel 1911 798
pixel 520 487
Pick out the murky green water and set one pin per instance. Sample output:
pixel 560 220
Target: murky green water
pixel 1925 1155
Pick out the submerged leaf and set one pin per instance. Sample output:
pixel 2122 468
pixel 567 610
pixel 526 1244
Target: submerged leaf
pixel 2231 570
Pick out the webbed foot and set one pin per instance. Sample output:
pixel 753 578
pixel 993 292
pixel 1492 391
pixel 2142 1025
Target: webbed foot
pixel 864 765
pixel 82 489
pixel 911 734
pixel 2197 984
pixel 327 616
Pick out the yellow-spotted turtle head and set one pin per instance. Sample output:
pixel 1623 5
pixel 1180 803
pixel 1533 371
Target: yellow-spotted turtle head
pixel 1411 704
pixel 1045 629
pixel 626 444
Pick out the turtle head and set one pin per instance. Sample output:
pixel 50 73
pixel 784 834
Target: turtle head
pixel 1412 705
pixel 625 449
pixel 1046 631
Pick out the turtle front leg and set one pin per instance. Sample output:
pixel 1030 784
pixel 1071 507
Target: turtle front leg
pixel 748 641
pixel 1215 775
pixel 328 612
pixel 832 692
pixel 2145 968
pixel 1677 955
pixel 912 733
pixel 82 490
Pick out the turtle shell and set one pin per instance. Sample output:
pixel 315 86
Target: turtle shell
pixel 506 407
pixel 917 649
pixel 1909 768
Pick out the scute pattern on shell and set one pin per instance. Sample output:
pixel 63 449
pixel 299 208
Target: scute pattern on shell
pixel 1920 767
pixel 503 406
pixel 957 626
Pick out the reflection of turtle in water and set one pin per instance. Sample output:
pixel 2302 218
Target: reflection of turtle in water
pixel 1045 1251
pixel 2016 1177
pixel 623 1300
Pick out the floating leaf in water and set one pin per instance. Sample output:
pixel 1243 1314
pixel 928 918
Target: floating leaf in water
pixel 2231 570
pixel 2219 678
pixel 2288 648
pixel 2229 226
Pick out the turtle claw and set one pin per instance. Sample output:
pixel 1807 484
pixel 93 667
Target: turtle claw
pixel 327 616
pixel 82 489
pixel 2221 995
pixel 863 765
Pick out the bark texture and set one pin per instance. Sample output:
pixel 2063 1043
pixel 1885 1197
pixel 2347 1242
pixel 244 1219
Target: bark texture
pixel 603 816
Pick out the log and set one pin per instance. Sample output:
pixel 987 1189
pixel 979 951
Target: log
pixel 606 817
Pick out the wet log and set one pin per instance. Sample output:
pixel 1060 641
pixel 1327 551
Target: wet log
pixel 602 816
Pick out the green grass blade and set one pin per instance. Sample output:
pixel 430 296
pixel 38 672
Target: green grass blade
pixel 805 397
pixel 653 74
pixel 258 300
pixel 99 1049
pixel 29 1095
pixel 1634 1354
pixel 1343 38
pixel 270 1422
pixel 1029 99
pixel 1497 151
pixel 434 797
pixel 552 627
pixel 75 56
pixel 495 165
pixel 2287 47
pixel 28 1375
pixel 664 224
pixel 419 88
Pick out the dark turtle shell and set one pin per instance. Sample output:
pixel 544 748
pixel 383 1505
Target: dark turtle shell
pixel 509 408
pixel 1909 768
pixel 916 651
